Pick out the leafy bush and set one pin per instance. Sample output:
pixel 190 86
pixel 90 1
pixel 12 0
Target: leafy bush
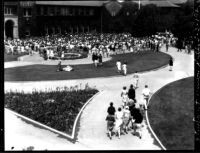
pixel 57 109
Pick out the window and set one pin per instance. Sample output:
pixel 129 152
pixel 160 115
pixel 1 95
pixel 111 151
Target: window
pixel 70 11
pixel 58 11
pixel 45 10
pixel 10 10
pixel 66 11
pixel 91 12
pixel 81 11
pixel 27 12
pixel 41 11
pixel 52 11
pixel 63 11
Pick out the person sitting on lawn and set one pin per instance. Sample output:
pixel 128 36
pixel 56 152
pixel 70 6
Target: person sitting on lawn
pixel 59 67
pixel 68 68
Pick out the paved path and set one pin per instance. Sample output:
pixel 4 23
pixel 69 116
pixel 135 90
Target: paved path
pixel 92 123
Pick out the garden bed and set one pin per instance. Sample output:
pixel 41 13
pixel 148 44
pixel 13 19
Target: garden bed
pixel 56 109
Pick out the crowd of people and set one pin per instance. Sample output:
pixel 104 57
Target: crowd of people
pixel 97 45
pixel 129 116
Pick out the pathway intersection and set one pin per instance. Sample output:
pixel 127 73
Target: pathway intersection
pixel 92 132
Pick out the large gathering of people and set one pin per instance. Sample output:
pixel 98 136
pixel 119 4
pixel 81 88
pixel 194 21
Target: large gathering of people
pixel 96 45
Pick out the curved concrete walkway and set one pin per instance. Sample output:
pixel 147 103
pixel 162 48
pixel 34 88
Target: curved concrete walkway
pixel 92 132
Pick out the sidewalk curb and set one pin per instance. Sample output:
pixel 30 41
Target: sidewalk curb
pixel 72 136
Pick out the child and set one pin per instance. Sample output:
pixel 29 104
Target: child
pixel 118 63
pixel 124 68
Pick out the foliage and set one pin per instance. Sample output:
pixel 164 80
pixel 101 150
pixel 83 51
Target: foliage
pixel 57 109
pixel 150 19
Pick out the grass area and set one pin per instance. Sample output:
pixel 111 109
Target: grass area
pixel 171 114
pixel 57 109
pixel 136 62
pixel 10 57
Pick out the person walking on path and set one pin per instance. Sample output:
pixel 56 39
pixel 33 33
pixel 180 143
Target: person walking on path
pixel 146 94
pixel 170 64
pixel 126 119
pixel 110 124
pixel 138 119
pixel 124 95
pixel 135 80
pixel 111 109
pixel 118 121
pixel 131 92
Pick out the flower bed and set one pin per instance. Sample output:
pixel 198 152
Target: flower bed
pixel 70 56
pixel 57 109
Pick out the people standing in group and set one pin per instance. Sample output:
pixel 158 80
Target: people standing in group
pixel 146 94
pixel 170 64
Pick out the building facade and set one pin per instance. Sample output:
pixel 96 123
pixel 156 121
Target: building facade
pixel 39 18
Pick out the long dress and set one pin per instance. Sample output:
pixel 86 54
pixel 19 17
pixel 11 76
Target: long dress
pixel 119 120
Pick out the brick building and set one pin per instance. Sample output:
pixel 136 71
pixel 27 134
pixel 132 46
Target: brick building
pixel 37 18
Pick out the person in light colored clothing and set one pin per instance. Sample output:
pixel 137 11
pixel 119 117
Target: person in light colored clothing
pixel 135 79
pixel 118 63
pixel 146 94
pixel 126 119
pixel 124 68
pixel 118 121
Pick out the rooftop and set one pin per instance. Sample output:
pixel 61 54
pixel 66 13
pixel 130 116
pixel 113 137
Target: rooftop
pixel 160 3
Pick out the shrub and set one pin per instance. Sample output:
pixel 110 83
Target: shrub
pixel 57 109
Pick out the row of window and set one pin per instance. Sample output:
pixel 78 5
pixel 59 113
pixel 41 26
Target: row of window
pixel 64 11
pixel 10 10
pixel 51 11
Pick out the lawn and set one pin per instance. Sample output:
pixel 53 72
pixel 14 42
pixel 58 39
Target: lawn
pixel 10 57
pixel 136 62
pixel 171 114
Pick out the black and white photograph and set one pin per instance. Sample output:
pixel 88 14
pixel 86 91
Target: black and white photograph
pixel 101 75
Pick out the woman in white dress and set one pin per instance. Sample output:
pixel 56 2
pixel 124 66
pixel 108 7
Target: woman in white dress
pixel 118 121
